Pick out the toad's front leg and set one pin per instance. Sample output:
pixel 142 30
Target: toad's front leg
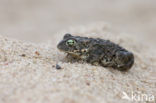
pixel 71 58
pixel 95 55
pixel 93 59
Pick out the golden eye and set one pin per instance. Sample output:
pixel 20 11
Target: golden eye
pixel 70 42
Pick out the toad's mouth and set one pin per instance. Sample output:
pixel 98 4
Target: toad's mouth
pixel 74 53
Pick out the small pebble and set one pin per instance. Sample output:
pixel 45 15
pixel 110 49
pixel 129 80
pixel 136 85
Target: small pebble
pixel 58 67
pixel 23 55
pixel 37 53
pixel 87 83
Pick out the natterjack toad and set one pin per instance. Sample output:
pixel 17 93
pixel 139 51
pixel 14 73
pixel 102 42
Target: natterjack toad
pixel 97 52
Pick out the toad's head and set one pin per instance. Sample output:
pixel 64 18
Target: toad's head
pixel 74 45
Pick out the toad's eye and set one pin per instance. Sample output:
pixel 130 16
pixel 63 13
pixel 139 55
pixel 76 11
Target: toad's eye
pixel 70 42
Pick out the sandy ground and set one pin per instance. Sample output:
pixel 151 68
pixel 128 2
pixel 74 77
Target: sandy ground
pixel 28 73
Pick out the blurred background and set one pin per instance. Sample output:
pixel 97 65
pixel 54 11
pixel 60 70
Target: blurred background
pixel 38 20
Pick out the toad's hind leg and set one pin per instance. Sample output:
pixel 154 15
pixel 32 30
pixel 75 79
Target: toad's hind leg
pixel 123 60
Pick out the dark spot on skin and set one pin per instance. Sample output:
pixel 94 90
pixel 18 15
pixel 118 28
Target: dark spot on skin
pixel 58 66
